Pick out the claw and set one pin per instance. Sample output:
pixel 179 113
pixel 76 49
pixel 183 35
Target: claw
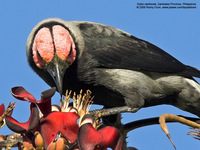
pixel 170 117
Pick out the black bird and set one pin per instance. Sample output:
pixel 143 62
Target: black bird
pixel 121 70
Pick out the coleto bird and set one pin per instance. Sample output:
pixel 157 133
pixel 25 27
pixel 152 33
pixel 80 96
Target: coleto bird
pixel 121 70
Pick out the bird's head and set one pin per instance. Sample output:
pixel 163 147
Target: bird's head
pixel 51 50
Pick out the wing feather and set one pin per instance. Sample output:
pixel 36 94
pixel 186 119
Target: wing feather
pixel 113 48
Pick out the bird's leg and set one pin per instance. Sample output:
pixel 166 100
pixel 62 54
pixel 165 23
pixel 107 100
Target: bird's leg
pixel 170 117
pixel 112 111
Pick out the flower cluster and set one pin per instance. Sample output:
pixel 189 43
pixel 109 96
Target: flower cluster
pixel 64 127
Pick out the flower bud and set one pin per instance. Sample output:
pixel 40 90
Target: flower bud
pixel 38 141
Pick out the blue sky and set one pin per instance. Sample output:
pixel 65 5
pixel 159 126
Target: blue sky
pixel 175 31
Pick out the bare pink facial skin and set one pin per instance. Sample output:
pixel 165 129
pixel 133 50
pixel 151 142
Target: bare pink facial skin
pixel 44 45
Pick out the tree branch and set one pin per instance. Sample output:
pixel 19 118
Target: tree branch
pixel 151 121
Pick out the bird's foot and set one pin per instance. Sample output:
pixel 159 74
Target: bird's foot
pixel 112 111
pixel 170 117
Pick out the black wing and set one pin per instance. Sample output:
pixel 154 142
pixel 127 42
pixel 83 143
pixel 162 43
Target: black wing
pixel 113 48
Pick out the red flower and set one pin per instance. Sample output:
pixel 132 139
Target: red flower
pixel 44 103
pixel 65 123
pixel 51 124
pixel 59 122
pixel 30 125
pixel 91 139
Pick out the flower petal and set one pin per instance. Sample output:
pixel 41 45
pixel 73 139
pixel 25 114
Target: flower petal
pixel 20 93
pixel 48 93
pixel 111 137
pixel 59 122
pixel 89 138
pixel 45 103
pixel 31 124
pixel 2 109
pixel 87 118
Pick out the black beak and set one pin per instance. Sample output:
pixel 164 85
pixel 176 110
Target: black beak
pixel 57 72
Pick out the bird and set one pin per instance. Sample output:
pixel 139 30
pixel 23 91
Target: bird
pixel 123 72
